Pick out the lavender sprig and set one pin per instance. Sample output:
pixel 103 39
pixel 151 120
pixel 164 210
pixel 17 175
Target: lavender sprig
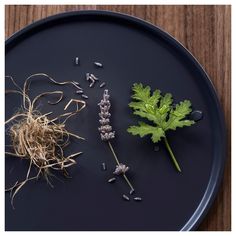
pixel 105 128
pixel 107 134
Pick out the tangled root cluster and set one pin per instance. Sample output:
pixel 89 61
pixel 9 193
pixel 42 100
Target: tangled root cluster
pixel 39 138
pixel 36 138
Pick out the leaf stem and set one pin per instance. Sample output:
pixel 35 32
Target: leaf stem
pixel 172 154
pixel 118 163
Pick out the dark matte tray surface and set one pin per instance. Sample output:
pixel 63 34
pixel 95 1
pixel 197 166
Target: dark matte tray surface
pixel 131 51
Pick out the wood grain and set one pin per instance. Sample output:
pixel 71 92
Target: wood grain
pixel 204 30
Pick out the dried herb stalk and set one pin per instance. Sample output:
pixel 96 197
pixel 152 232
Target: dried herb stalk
pixel 107 134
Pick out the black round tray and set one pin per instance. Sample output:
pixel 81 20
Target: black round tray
pixel 131 50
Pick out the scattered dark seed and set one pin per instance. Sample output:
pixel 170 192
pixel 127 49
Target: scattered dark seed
pixel 112 180
pixel 131 191
pixel 137 199
pixel 84 96
pixel 77 61
pixel 104 167
pixel 98 64
pixel 91 85
pixel 196 115
pixel 125 197
pixel 102 85
pixel 92 76
pixel 87 76
pixel 156 148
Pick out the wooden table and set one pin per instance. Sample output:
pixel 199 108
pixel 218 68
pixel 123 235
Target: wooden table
pixel 204 31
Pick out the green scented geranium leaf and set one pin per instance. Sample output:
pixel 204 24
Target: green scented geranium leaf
pixel 158 109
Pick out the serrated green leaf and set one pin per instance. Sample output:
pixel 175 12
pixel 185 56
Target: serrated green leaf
pixel 140 92
pixel 158 109
pixel 146 115
pixel 137 106
pixel 144 129
pixel 177 115
pixel 153 100
pixel 182 109
pixel 165 102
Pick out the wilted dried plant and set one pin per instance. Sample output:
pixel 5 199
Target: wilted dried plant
pixel 107 134
pixel 38 138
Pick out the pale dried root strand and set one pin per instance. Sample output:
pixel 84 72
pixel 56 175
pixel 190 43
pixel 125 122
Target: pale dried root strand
pixel 17 186
pixel 41 139
pixel 75 136
pixel 70 114
pixel 13 81
pixel 43 75
pixel 48 93
pixel 14 154
pixel 14 117
pixel 18 92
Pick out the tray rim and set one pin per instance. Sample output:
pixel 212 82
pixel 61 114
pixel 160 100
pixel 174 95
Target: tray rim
pixel 214 181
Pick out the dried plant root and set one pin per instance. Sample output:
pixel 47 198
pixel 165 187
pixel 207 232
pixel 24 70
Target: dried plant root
pixel 39 138
pixel 26 87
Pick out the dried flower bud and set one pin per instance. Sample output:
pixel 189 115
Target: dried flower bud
pixel 105 129
pixel 104 121
pixel 121 169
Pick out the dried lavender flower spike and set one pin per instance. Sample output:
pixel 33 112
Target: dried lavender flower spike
pixel 84 96
pixel 105 129
pixel 125 197
pixel 98 64
pixel 106 132
pixel 112 180
pixel 102 84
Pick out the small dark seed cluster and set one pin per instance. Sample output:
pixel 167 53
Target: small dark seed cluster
pixel 126 198
pixel 105 129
